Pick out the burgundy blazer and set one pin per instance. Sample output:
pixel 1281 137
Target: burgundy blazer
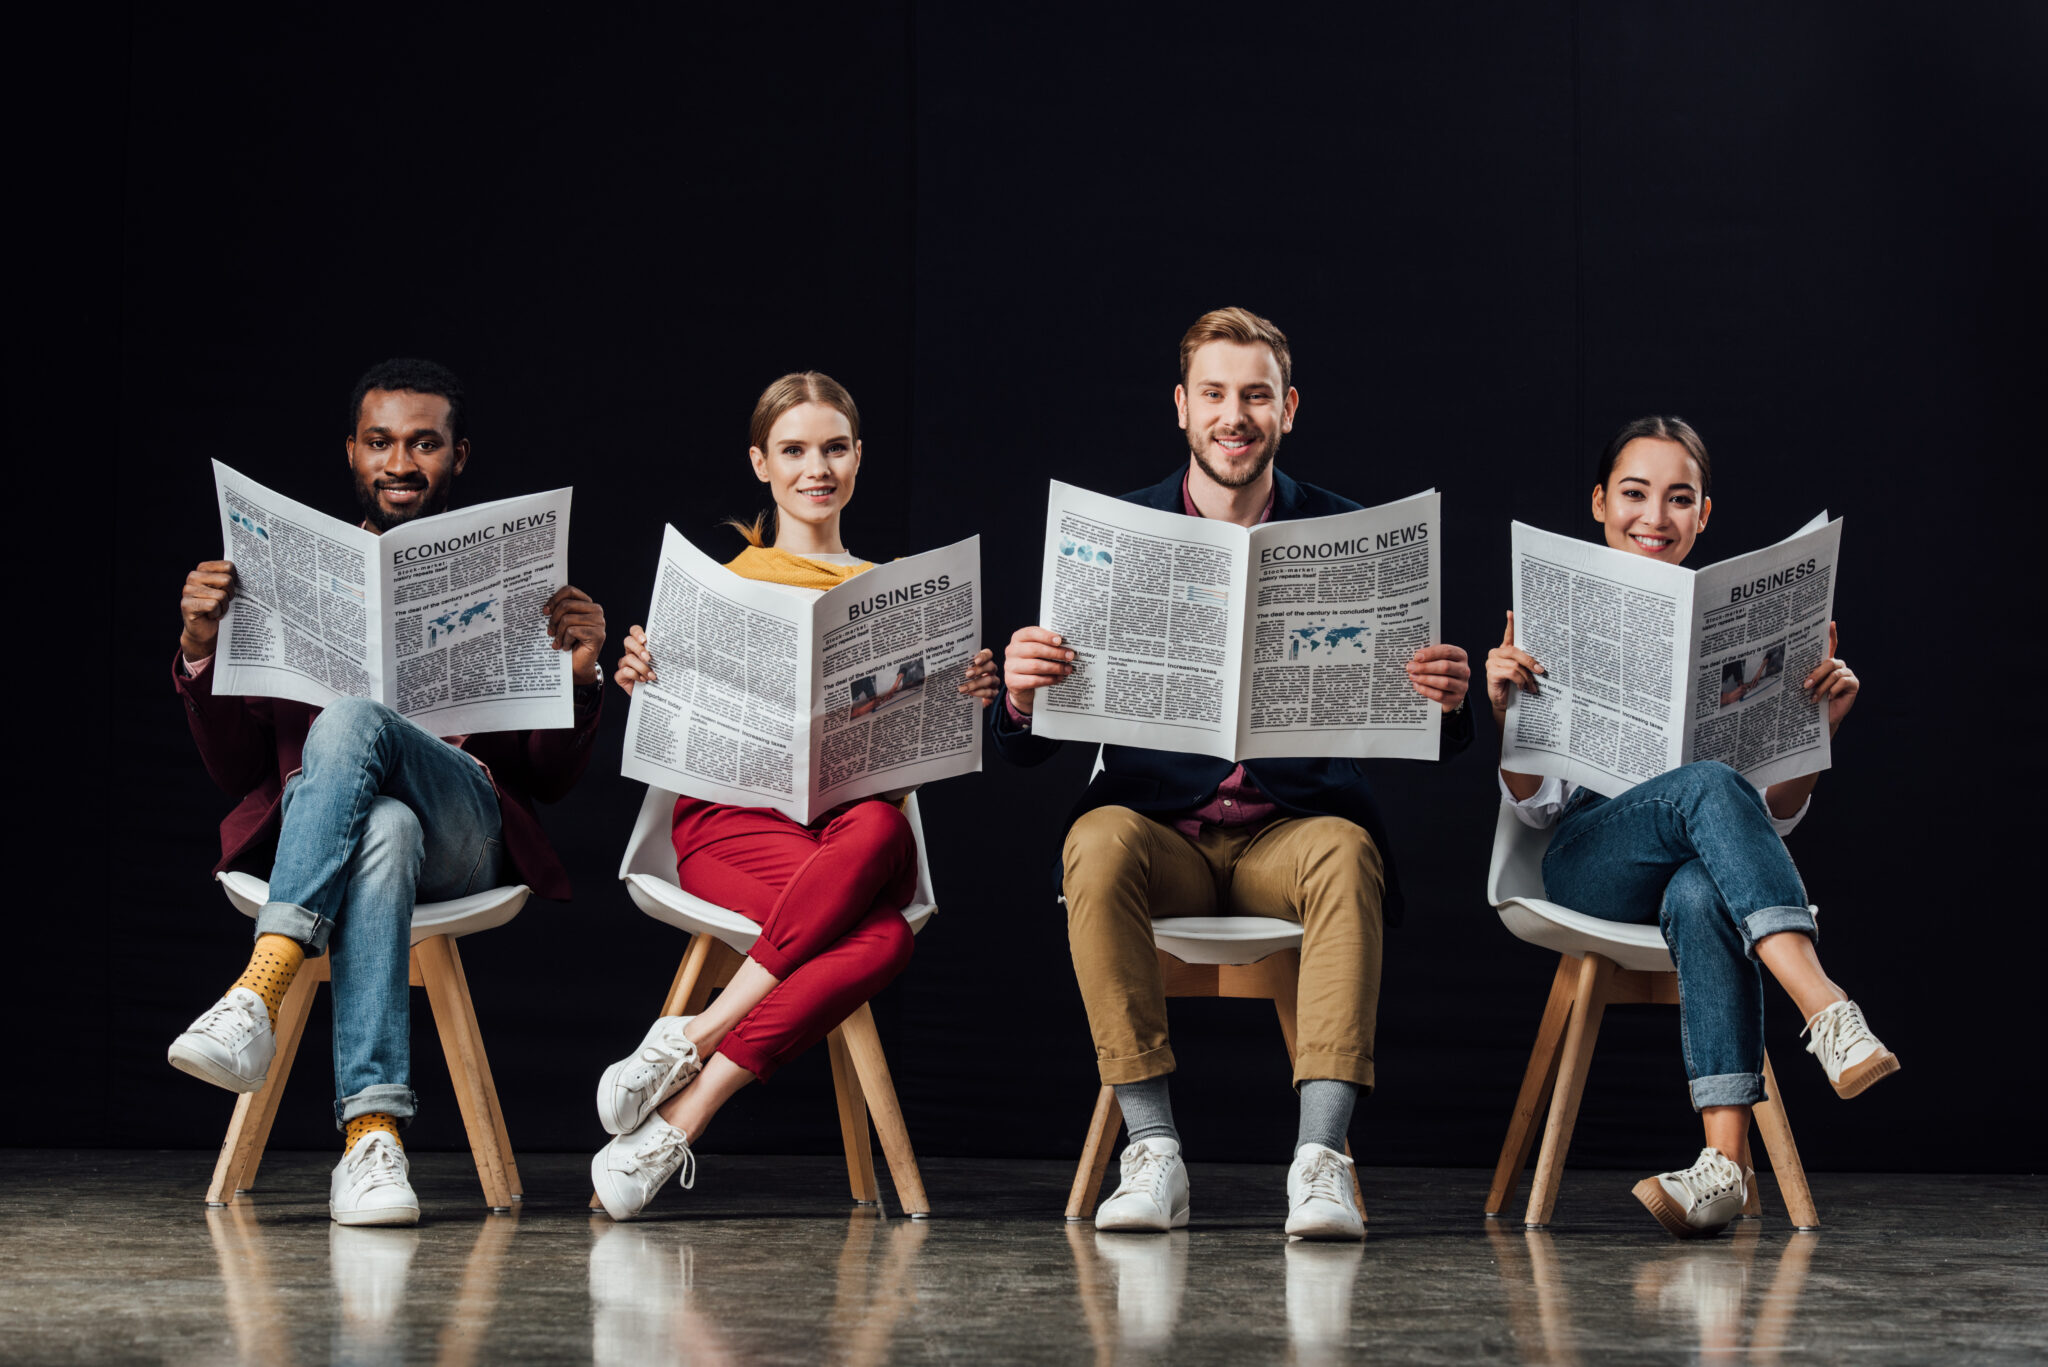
pixel 251 745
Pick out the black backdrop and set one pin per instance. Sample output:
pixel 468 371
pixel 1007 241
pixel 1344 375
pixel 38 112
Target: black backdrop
pixel 1492 233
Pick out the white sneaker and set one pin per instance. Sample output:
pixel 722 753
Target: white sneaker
pixel 1698 1201
pixel 1853 1057
pixel 663 1064
pixel 1320 1204
pixel 1153 1196
pixel 629 1170
pixel 371 1185
pixel 231 1045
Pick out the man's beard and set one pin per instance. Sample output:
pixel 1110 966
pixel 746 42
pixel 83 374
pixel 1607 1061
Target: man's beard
pixel 1268 449
pixel 384 520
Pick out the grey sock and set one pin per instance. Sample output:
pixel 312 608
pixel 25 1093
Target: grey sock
pixel 1148 1113
pixel 1326 1106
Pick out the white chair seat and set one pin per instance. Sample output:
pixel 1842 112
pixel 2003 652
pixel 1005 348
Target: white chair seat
pixel 1224 939
pixel 1573 932
pixel 462 916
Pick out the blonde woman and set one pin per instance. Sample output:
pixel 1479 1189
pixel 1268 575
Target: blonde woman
pixel 829 896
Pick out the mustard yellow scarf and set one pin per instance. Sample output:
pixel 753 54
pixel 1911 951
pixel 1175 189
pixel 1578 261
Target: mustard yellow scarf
pixel 781 567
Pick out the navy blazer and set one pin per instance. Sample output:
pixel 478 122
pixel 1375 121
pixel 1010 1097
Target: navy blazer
pixel 1164 782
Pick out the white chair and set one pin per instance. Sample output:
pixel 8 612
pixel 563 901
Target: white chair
pixel 1248 957
pixel 1600 963
pixel 437 967
pixel 719 941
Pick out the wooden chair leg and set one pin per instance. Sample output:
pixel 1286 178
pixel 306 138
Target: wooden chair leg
pixel 1588 1006
pixel 684 995
pixel 463 1050
pixel 864 1045
pixel 241 1152
pixel 853 1122
pixel 1087 1189
pixel 490 1083
pixel 1537 1082
pixel 1776 1129
pixel 1284 1001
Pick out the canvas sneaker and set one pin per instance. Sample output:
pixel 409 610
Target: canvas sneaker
pixel 1699 1201
pixel 1153 1195
pixel 231 1045
pixel 1853 1057
pixel 662 1066
pixel 1320 1202
pixel 629 1170
pixel 371 1184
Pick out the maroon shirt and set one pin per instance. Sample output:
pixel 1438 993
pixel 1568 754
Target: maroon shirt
pixel 250 746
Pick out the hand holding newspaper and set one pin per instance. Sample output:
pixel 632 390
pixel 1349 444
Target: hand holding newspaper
pixel 439 619
pixel 1287 639
pixel 1649 666
pixel 765 699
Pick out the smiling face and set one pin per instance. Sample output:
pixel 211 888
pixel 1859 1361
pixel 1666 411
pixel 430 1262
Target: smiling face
pixel 809 465
pixel 404 456
pixel 1234 409
pixel 1652 503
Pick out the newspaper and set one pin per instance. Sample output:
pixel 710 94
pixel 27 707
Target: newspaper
pixel 1287 639
pixel 439 619
pixel 1649 666
pixel 766 699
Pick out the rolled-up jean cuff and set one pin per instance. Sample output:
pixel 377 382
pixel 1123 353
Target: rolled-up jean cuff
pixel 386 1098
pixel 294 922
pixel 1771 920
pixel 1728 1089
pixel 1136 1067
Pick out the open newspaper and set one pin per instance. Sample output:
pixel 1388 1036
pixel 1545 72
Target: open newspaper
pixel 1649 666
pixel 439 618
pixel 1287 639
pixel 767 699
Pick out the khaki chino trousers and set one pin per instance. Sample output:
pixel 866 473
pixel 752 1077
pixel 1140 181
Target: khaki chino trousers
pixel 1122 868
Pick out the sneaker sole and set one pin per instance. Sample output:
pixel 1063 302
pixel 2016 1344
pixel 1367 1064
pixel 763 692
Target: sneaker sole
pixel 1329 1234
pixel 1858 1080
pixel 1179 1221
pixel 1668 1212
pixel 206 1070
pixel 382 1215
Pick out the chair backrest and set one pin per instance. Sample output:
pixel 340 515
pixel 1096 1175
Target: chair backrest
pixel 650 850
pixel 1517 866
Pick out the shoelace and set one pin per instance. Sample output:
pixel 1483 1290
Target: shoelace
pixel 1145 1172
pixel 226 1020
pixel 378 1163
pixel 1712 1175
pixel 661 1150
pixel 1327 1180
pixel 1837 1029
pixel 656 1059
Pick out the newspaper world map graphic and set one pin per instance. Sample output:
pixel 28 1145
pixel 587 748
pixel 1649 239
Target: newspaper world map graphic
pixel 476 616
pixel 1329 640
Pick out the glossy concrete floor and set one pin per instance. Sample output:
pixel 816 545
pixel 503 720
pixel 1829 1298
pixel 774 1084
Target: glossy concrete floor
pixel 111 1258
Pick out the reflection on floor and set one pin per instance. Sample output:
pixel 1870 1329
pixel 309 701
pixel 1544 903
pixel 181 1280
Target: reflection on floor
pixel 111 1257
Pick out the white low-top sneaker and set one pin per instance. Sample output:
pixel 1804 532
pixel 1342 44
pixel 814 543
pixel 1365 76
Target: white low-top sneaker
pixel 629 1170
pixel 1841 1040
pixel 1320 1204
pixel 662 1066
pixel 231 1045
pixel 372 1185
pixel 1698 1201
pixel 1153 1195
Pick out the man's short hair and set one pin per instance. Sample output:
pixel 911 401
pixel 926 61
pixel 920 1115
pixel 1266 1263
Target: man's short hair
pixel 1236 325
pixel 414 377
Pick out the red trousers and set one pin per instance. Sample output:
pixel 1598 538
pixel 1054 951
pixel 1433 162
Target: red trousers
pixel 829 898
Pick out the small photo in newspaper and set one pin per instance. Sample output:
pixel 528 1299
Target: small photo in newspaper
pixel 1754 674
pixel 871 694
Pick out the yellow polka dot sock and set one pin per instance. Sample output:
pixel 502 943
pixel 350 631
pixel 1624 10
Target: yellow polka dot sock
pixel 369 1124
pixel 271 970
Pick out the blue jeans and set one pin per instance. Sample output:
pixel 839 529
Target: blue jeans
pixel 1693 850
pixel 380 815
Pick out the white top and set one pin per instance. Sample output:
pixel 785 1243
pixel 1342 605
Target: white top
pixel 1541 808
